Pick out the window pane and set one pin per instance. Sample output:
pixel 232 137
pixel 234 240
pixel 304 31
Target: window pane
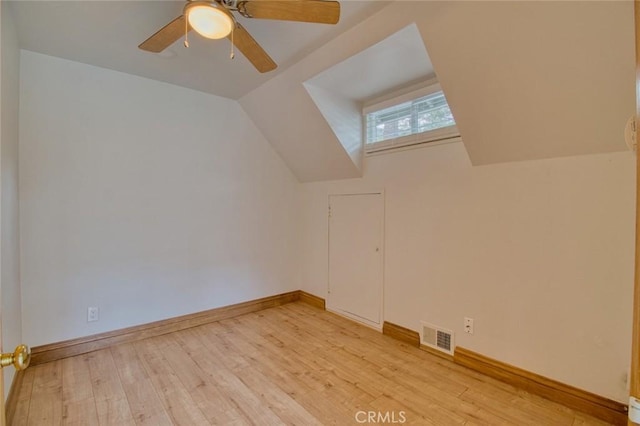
pixel 389 123
pixel 420 115
pixel 432 112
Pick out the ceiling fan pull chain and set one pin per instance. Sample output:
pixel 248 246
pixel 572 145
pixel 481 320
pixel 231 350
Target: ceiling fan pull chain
pixel 186 32
pixel 233 55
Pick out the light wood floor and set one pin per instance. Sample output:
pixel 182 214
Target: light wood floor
pixel 292 364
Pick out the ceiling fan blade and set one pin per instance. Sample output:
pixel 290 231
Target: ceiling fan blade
pixel 252 50
pixel 166 36
pixel 316 11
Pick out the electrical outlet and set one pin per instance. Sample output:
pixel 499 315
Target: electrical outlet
pixel 468 325
pixel 92 313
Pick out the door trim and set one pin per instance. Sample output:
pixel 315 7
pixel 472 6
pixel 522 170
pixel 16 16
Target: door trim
pixel 634 382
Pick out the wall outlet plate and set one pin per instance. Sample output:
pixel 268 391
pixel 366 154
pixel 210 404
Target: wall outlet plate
pixel 93 313
pixel 468 325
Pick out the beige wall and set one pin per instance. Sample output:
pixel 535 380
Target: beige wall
pixel 9 238
pixel 144 199
pixel 539 253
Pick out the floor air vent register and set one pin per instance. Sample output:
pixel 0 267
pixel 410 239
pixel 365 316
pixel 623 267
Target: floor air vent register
pixel 437 338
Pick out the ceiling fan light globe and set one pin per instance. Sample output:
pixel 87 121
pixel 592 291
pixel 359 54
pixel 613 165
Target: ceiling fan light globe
pixel 209 20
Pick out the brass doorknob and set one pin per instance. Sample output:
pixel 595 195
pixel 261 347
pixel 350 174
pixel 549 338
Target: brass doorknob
pixel 20 358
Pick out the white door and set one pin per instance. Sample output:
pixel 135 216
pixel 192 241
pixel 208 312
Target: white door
pixel 356 224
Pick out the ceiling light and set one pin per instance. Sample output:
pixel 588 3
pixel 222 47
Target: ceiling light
pixel 210 20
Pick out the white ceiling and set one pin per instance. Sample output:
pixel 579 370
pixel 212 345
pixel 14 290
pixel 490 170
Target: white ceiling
pixel 525 80
pixel 107 33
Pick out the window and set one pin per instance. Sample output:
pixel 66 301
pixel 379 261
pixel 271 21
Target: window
pixel 416 117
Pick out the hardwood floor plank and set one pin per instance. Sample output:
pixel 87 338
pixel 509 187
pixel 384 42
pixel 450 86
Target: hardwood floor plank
pixel 376 380
pixel 341 368
pixel 176 400
pixel 78 402
pixel 46 397
pixel 285 407
pixel 515 409
pixel 233 389
pixel 292 364
pixel 204 390
pixel 144 402
pixel 281 403
pixel 386 404
pixel 346 382
pixel 111 402
pixel 287 371
pixel 278 367
pixel 21 414
pixel 583 420
pixel 277 398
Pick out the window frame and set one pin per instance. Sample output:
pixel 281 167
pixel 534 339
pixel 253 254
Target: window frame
pixel 443 134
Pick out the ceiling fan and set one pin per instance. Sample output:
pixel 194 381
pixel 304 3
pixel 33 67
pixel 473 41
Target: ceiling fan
pixel 214 20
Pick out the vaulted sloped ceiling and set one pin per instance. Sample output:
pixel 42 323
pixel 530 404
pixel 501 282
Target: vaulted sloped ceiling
pixel 339 92
pixel 532 80
pixel 525 80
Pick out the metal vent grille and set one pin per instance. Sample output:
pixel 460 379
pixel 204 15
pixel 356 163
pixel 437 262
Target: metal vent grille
pixel 444 340
pixel 437 338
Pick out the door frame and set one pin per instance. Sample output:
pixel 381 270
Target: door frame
pixel 382 257
pixel 634 382
pixel 3 413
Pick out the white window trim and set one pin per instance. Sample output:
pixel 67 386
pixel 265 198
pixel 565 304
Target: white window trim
pixel 438 135
pixel 443 134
